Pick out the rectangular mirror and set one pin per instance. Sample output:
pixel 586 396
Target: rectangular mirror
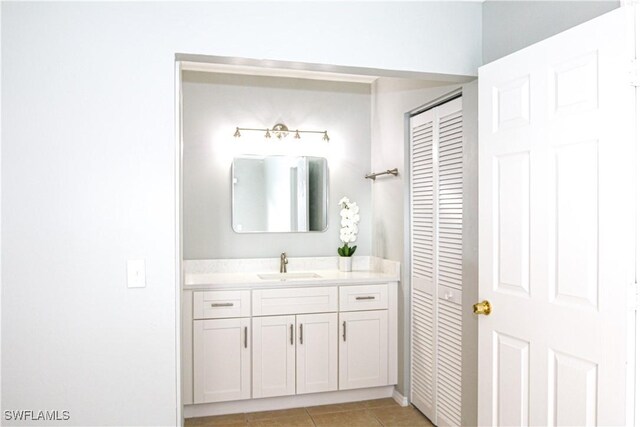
pixel 279 194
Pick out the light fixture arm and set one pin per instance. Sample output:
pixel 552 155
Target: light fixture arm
pixel 280 131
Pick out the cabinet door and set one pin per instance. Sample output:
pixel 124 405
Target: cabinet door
pixel 274 356
pixel 317 353
pixel 221 360
pixel 363 349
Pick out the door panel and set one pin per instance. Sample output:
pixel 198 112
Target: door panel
pixel 511 380
pixel 511 104
pixel 572 391
pixel 363 349
pixel 556 221
pixel 513 240
pixel 274 356
pixel 574 238
pixel 221 360
pixel 317 353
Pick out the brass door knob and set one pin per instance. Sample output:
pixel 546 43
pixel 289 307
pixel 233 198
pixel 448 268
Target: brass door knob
pixel 483 307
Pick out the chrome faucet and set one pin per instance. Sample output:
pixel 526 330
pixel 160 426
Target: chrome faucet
pixel 283 262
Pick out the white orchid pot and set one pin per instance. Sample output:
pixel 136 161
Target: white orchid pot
pixel 345 263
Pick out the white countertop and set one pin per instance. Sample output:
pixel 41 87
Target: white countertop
pixel 203 281
pixel 243 273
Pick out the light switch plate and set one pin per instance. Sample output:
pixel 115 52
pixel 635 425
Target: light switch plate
pixel 136 275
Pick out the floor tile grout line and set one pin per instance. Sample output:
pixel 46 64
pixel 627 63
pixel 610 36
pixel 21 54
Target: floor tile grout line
pixel 376 418
pixel 310 416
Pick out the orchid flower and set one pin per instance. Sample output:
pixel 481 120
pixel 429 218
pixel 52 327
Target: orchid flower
pixel 349 226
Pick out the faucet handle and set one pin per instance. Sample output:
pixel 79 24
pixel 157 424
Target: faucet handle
pixel 283 262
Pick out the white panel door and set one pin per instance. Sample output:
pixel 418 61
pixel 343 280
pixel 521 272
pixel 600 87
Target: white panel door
pixel 221 360
pixel 317 353
pixel 556 228
pixel 274 356
pixel 363 351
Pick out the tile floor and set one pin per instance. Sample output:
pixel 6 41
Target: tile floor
pixel 374 413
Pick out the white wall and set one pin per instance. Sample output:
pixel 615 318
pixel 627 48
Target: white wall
pixel 88 173
pixel 508 26
pixel 214 104
pixel 1 115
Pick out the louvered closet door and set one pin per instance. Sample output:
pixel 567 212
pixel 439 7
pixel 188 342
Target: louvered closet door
pixel 422 264
pixel 436 248
pixel 449 263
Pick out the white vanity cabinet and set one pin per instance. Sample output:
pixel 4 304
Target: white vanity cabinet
pixel 273 344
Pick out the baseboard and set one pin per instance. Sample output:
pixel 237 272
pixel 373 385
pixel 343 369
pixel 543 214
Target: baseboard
pixel 399 398
pixel 287 402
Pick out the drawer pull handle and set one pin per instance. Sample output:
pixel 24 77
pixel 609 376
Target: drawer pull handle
pixel 291 333
pixel 367 297
pixel 246 333
pixel 300 333
pixel 222 304
pixel 344 331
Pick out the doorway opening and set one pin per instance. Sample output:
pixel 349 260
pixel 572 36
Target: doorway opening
pixel 390 92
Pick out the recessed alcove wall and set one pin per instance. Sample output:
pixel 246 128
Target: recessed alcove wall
pixel 215 103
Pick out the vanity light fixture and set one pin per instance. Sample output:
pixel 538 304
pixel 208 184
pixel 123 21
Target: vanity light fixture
pixel 280 130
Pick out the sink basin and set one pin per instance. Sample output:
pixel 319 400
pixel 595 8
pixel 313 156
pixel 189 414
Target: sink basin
pixel 285 276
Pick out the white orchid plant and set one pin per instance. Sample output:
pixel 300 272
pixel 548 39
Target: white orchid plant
pixel 349 226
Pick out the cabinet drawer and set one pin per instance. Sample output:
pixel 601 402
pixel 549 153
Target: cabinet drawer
pixel 221 304
pixel 294 301
pixel 364 297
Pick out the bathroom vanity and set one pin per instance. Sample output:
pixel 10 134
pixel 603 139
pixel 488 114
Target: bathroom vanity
pixel 258 340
